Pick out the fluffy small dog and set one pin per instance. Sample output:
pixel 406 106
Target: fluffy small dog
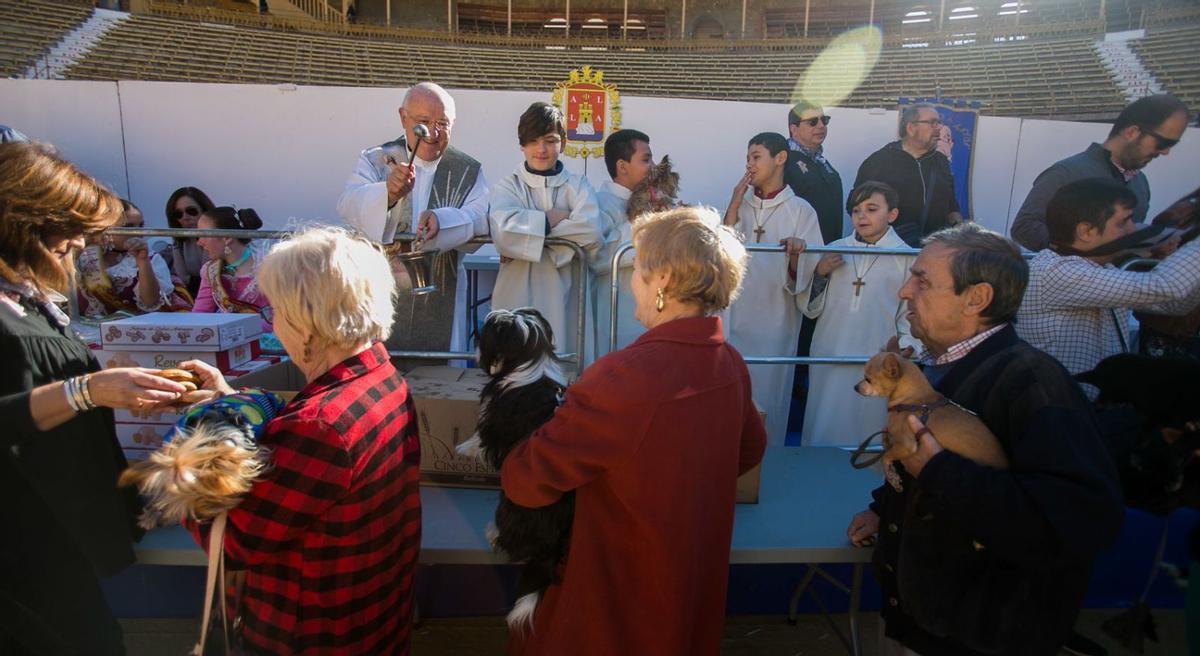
pixel 909 393
pixel 656 192
pixel 516 348
pixel 208 462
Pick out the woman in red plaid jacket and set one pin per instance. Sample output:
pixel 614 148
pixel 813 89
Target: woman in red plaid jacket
pixel 329 536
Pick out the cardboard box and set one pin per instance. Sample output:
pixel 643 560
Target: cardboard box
pixel 447 405
pixel 226 360
pixel 190 331
pixel 159 415
pixel 134 455
pixel 142 436
pixel 747 484
pixel 283 378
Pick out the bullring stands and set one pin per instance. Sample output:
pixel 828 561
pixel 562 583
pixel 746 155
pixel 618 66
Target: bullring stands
pixel 28 29
pixel 1171 55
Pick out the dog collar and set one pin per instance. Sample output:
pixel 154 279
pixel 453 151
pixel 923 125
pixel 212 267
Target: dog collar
pixel 925 409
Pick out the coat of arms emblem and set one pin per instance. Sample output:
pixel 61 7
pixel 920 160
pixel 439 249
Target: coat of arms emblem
pixel 592 109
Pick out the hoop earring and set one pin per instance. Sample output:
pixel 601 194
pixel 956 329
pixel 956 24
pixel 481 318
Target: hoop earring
pixel 227 249
pixel 659 300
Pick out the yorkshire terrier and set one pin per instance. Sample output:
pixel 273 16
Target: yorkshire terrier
pixel 208 461
pixel 516 349
pixel 656 192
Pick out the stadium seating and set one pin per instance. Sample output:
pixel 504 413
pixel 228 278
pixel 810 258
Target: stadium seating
pixel 1171 55
pixel 1047 76
pixel 28 29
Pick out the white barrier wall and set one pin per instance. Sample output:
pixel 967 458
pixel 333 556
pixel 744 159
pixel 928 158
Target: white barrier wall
pixel 286 150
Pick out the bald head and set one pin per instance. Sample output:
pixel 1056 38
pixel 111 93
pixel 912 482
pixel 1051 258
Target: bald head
pixel 429 94
pixel 428 104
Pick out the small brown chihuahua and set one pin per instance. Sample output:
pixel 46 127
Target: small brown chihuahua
pixel 909 393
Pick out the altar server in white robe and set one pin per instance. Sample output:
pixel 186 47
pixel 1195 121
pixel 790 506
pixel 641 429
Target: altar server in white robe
pixel 438 192
pixel 856 297
pixel 765 319
pixel 628 158
pixel 541 200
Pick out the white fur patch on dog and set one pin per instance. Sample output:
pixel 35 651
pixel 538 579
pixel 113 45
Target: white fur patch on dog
pixel 532 372
pixel 472 448
pixel 521 615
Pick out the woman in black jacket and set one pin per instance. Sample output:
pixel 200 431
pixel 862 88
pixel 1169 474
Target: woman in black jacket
pixel 63 522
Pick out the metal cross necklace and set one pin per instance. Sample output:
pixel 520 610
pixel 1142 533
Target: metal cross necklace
pixel 760 226
pixel 859 283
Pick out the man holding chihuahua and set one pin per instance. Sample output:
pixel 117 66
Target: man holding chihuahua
pixel 973 559
pixel 423 185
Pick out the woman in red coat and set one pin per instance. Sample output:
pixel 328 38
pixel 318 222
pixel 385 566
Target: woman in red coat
pixel 652 439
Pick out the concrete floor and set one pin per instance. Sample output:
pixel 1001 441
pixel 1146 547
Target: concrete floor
pixel 744 636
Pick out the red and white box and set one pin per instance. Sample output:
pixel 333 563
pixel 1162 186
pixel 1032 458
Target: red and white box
pixel 142 436
pixel 227 360
pixel 180 331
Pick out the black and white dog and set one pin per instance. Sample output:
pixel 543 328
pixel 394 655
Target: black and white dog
pixel 516 348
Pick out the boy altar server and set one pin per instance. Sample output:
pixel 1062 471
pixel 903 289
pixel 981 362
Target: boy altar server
pixel 537 201
pixel 856 298
pixel 765 320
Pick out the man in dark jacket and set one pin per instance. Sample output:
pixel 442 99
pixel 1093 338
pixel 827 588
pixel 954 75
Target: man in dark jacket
pixel 1148 128
pixel 808 173
pixel 972 559
pixel 919 173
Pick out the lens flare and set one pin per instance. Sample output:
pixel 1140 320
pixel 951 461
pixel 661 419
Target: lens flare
pixel 840 68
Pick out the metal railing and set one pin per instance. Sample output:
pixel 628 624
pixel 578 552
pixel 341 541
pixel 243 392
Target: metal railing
pixel 582 293
pixel 614 292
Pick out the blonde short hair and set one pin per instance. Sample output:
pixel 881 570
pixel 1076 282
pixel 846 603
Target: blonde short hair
pixel 705 259
pixel 334 283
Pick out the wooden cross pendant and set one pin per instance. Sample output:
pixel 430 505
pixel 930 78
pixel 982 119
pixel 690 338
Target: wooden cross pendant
pixel 759 231
pixel 858 285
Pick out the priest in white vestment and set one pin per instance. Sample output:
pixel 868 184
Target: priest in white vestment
pixel 857 299
pixel 628 158
pixel 438 192
pixel 765 319
pixel 541 200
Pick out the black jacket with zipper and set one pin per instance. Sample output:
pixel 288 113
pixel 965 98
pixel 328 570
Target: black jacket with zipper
pixel 925 185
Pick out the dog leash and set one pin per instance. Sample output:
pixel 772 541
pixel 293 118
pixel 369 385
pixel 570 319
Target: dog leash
pixel 216 573
pixel 925 409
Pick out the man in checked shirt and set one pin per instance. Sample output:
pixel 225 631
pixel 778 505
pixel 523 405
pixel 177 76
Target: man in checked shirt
pixel 1077 306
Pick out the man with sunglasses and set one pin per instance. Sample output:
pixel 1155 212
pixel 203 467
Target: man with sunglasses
pixel 1147 128
pixel 808 173
pixel 919 173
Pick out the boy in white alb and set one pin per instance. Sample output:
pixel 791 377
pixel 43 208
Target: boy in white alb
pixel 628 159
pixel 537 201
pixel 856 298
pixel 765 319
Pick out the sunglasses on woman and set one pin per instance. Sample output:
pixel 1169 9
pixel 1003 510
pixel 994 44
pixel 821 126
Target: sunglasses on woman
pixel 190 210
pixel 812 122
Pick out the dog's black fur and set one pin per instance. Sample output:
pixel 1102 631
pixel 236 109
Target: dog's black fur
pixel 1140 396
pixel 516 348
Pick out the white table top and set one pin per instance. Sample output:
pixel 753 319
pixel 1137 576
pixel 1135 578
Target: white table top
pixel 807 498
